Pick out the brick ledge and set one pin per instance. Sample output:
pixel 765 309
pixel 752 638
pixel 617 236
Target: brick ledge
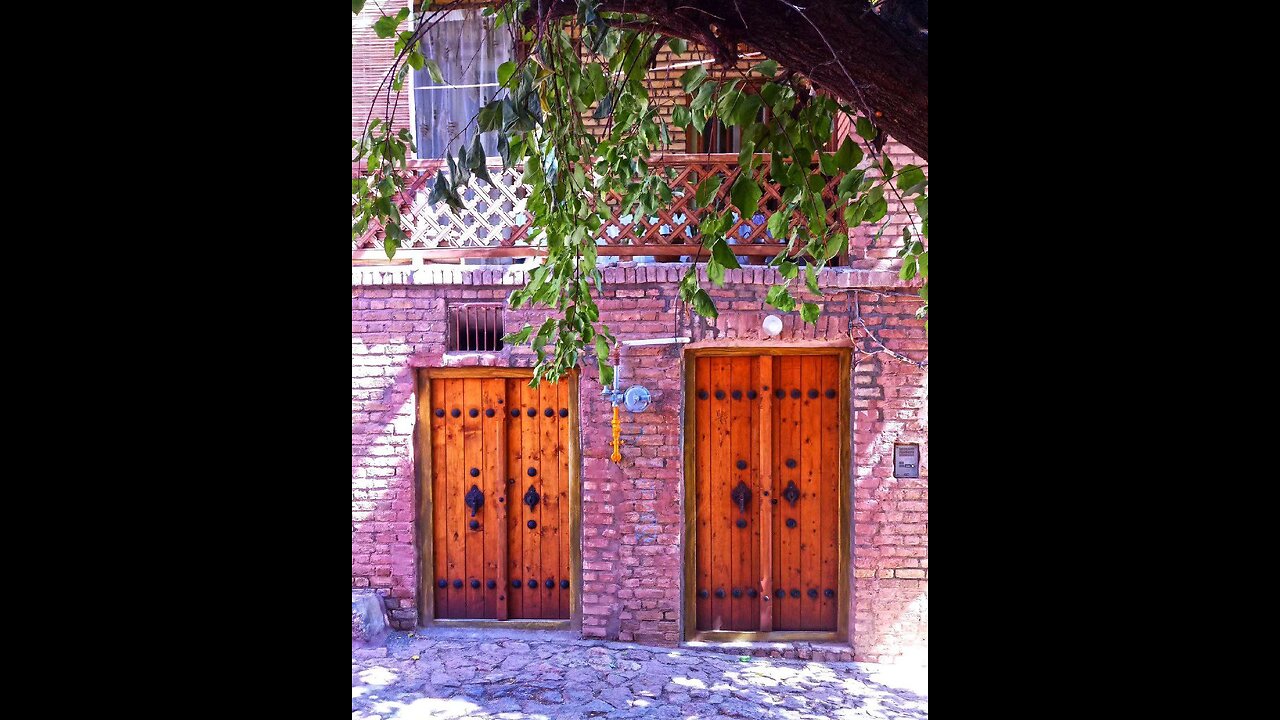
pixel 620 274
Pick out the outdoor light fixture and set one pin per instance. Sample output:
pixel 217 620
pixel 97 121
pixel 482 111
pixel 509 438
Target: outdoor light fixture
pixel 772 325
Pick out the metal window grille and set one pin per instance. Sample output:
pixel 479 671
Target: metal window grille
pixel 476 327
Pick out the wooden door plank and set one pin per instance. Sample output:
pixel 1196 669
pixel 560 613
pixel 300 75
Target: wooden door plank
pixel 515 465
pixel 493 525
pixel 439 496
pixel 473 440
pixel 456 510
pixel 549 506
pixel 829 482
pixel 562 467
pixel 768 493
pixel 499 454
pixel 532 459
pixel 741 449
pixel 789 450
pixel 721 524
pixel 702 489
pixel 811 496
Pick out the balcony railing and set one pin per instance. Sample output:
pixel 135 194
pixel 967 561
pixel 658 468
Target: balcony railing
pixel 494 223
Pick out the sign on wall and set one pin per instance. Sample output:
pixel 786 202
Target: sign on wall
pixel 906 461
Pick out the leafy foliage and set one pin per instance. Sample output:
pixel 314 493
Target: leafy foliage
pixel 595 63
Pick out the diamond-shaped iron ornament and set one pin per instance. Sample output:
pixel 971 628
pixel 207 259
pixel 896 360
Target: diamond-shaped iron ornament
pixel 792 493
pixel 474 499
pixel 531 497
pixel 741 496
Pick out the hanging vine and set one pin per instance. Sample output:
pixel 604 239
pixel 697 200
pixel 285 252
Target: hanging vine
pixel 592 62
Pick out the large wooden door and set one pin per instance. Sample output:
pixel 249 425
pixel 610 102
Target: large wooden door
pixel 500 498
pixel 768 448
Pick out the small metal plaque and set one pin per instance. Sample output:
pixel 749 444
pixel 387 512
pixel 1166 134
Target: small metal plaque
pixel 906 461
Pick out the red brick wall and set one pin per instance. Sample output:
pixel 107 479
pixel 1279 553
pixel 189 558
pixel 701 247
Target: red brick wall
pixel 632 548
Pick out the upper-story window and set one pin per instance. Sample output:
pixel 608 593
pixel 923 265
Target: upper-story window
pixel 468 50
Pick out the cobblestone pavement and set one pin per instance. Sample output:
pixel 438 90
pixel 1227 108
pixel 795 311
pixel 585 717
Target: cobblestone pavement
pixel 557 676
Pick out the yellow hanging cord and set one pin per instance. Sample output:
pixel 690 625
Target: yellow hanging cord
pixel 617 423
pixel 617 437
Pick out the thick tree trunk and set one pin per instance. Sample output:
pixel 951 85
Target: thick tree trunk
pixel 875 58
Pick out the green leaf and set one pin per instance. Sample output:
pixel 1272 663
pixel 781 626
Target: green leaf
pixel 811 278
pixel 875 194
pixel 849 183
pixel 386 26
pixel 693 77
pixel 703 98
pixel 923 262
pixel 865 129
pixel 887 167
pixel 848 156
pixel 788 269
pixel 681 116
pixel 356 6
pixel 416 59
pixel 678 46
pixel 707 190
pixel 778 223
pixel 876 210
pixel 715 271
pixel 518 338
pixel 703 305
pixel 922 207
pixel 744 113
pixel 828 163
pixel 779 297
pixel 490 117
pixel 924 291
pixel 771 93
pixel 505 70
pixel 837 244
pixel 908 270
pixel 809 311
pixel 434 70
pixel 746 195
pixel 747 157
pixel 722 254
pixel 909 175
pixel 768 68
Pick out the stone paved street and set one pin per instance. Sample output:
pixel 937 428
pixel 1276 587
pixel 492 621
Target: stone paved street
pixel 557 676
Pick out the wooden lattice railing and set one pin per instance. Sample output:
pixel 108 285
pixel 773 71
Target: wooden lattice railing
pixel 494 222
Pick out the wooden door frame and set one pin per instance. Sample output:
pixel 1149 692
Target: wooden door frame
pixel 845 516
pixel 424 525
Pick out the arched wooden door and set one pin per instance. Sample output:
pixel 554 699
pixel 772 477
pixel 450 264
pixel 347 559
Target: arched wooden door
pixel 769 444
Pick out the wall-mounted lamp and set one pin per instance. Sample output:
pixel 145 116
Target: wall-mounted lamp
pixel 772 325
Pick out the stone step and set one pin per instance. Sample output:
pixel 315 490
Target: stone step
pixel 817 651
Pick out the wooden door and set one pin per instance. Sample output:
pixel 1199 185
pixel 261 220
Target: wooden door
pixel 500 501
pixel 767 462
pixel 806 466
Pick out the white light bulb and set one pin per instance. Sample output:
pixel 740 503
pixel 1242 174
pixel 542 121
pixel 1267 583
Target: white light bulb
pixel 773 325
